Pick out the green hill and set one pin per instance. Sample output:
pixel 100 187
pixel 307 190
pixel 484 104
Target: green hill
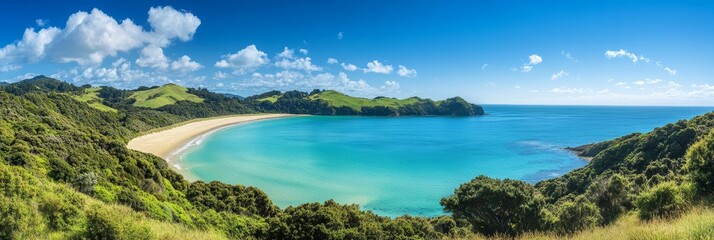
pixel 91 97
pixel 337 99
pixel 162 96
pixel 329 102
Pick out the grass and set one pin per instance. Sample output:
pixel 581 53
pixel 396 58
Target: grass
pixel 338 99
pixel 696 223
pixel 271 99
pixel 91 97
pixel 162 96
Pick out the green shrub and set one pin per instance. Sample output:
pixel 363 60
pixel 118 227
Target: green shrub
pixel 17 217
pixel 105 224
pixel 700 163
pixel 661 201
pixel 495 206
pixel 577 215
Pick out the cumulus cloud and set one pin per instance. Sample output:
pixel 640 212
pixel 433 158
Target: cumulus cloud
pixel 533 60
pixel 331 61
pixel 559 75
pixel 247 59
pixel 152 56
pixel 89 37
pixel 377 67
pixel 304 51
pixel 406 72
pixel 292 80
pixel 184 64
pixel 348 66
pixel 286 60
pixel 168 23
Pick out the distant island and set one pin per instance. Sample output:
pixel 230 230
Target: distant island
pixel 67 173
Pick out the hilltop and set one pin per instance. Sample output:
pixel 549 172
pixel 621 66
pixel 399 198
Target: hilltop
pixel 329 102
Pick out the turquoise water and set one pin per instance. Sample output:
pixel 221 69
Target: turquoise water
pixel 404 165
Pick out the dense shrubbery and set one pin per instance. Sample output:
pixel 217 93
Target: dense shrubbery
pixel 663 200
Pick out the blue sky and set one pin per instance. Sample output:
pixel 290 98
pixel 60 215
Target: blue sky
pixel 514 52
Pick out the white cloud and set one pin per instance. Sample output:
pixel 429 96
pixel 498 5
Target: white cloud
pixel 287 53
pixel 299 64
pixel 647 81
pixel 292 80
pixel 88 38
pixel 671 71
pixel 533 59
pixel 340 36
pixel 569 90
pixel 40 22
pixel 168 23
pixel 349 67
pixel 610 54
pixel 377 67
pixel 286 60
pixel 30 49
pixel 9 68
pixel 304 51
pixel 247 59
pixel 331 61
pixel 220 75
pixel 559 75
pixel 568 56
pixel 184 64
pixel 152 56
pixel 517 87
pixel 406 72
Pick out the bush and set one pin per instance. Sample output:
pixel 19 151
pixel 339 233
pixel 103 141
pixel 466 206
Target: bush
pixel 577 215
pixel 495 206
pixel 700 163
pixel 104 224
pixel 663 200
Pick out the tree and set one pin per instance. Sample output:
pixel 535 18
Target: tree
pixel 577 215
pixel 700 163
pixel 610 196
pixel 495 206
pixel 663 200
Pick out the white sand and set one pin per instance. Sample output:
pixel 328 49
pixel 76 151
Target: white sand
pixel 164 143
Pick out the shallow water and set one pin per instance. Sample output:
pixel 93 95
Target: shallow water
pixel 404 165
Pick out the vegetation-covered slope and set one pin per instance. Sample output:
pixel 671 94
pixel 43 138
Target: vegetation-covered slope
pixel 91 97
pixel 162 96
pixel 335 103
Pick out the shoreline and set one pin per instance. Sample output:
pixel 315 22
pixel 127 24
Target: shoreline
pixel 170 142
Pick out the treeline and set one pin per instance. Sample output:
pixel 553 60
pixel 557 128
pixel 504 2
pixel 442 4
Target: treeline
pixel 298 102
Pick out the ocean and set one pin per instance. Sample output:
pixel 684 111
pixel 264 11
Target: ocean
pixel 405 165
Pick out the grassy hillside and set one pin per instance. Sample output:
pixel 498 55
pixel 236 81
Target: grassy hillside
pixel 162 96
pixel 337 99
pixel 91 97
pixel 328 102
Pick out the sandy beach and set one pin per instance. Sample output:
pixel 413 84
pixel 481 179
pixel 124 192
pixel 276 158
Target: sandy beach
pixel 164 143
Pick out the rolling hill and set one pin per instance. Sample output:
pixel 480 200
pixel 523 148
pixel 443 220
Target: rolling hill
pixel 162 96
pixel 91 97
